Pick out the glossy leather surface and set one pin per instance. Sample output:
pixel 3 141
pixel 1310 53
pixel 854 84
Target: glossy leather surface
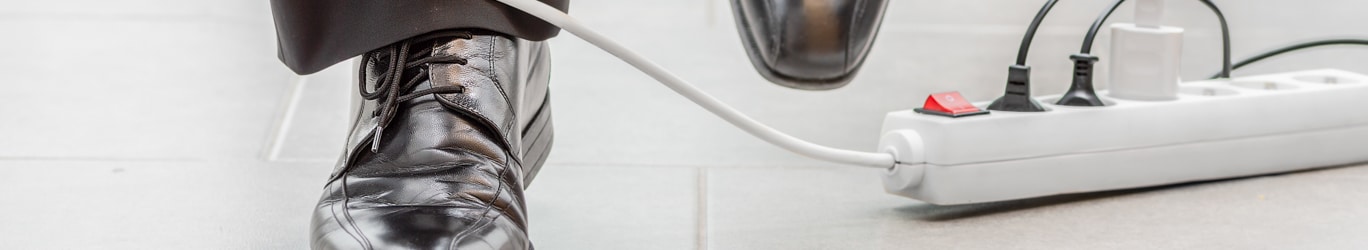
pixel 808 44
pixel 448 173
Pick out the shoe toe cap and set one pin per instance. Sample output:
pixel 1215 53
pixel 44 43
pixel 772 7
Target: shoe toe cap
pixel 416 227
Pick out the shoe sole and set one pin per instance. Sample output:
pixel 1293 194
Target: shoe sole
pixel 537 139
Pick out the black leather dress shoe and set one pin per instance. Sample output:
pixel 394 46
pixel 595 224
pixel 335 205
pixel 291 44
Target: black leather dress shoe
pixel 449 129
pixel 808 44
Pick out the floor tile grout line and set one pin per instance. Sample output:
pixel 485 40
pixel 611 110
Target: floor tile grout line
pixel 702 208
pixel 286 161
pixel 635 165
pixel 81 16
pixel 710 13
pixel 301 160
pixel 775 165
pixel 96 159
pixel 286 119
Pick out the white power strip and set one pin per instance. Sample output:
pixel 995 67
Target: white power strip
pixel 1215 130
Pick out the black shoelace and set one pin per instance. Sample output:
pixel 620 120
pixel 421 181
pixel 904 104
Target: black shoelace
pixel 391 82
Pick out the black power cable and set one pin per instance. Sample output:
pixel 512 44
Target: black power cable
pixel 1290 48
pixel 1097 26
pixel 1018 94
pixel 1031 31
pixel 1220 16
pixel 1081 92
pixel 1226 67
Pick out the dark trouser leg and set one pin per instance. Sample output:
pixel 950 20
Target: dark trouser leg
pixel 315 34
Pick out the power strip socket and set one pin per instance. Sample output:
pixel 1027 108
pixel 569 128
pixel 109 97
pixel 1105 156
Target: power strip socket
pixel 1216 129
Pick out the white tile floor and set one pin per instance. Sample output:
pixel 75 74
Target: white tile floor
pixel 169 124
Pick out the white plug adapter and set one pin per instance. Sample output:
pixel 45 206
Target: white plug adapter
pixel 1146 56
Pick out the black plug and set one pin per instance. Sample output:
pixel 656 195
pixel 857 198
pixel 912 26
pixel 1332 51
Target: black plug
pixel 1081 93
pixel 1018 96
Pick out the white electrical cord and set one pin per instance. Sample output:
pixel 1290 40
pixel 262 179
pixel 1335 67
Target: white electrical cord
pixel 568 23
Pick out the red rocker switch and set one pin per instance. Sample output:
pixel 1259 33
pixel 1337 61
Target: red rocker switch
pixel 950 104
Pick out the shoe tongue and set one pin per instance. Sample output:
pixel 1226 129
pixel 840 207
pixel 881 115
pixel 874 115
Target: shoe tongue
pixel 425 132
pixel 489 67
